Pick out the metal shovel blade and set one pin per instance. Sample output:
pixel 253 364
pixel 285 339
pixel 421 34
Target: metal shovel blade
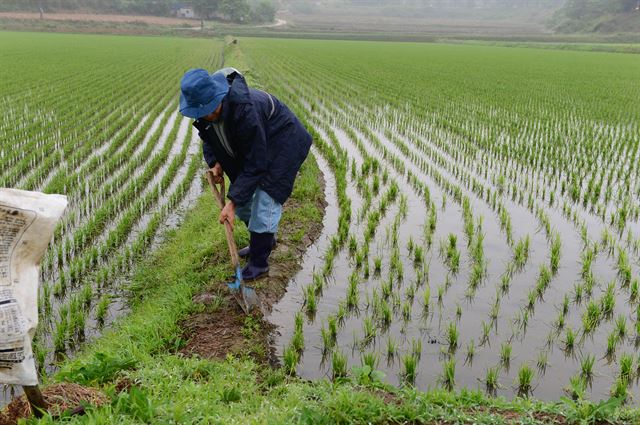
pixel 245 296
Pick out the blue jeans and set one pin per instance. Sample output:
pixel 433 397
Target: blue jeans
pixel 263 213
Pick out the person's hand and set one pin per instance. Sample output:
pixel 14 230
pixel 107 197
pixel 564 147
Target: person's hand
pixel 228 213
pixel 216 172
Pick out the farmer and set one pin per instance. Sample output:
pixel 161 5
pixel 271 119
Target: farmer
pixel 258 142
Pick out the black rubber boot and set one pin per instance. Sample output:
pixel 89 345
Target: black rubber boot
pixel 244 252
pixel 260 245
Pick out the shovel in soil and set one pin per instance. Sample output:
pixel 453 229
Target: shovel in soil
pixel 244 295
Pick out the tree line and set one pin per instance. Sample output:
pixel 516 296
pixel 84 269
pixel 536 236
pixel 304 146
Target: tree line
pixel 233 10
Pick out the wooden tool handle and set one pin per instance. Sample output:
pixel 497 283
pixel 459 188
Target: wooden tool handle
pixel 228 230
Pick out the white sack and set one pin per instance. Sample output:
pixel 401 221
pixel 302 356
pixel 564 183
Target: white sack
pixel 27 222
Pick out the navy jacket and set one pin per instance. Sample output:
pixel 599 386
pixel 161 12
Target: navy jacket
pixel 269 143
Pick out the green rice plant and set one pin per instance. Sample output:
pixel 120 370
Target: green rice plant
pixel 352 292
pixel 426 298
pixel 556 246
pixel 608 300
pixel 369 330
pixel 332 327
pixel 416 348
pixel 612 343
pixel 626 367
pixel 410 292
pixel 586 367
pixel 291 358
pixel 103 308
pixel 471 352
pixel 578 292
pixel 453 334
pixel 633 290
pixel 591 318
pixel 377 265
pixel 387 288
pixel 620 389
pixel 318 283
pixel 449 374
pixel 392 347
pixel 418 255
pixel 569 340
pixel 505 355
pixel 491 380
pixel 542 361
pixel 565 305
pixel 338 365
pixel 86 295
pixel 371 360
pixel 297 340
pixel 486 330
pixel 577 388
pixel 410 366
pixel 310 299
pixel 621 326
pixel 441 290
pixel 521 252
pixel 458 311
pixel 406 311
pixel 525 380
pixel 386 315
pixel 560 321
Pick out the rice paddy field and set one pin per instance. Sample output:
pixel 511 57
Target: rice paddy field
pixel 95 118
pixel 482 229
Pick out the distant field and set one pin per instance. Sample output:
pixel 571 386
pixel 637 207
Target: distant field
pixel 485 228
pixel 98 17
pixel 95 118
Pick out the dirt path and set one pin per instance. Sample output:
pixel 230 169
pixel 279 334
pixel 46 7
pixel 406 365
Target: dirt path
pixel 89 17
pixel 222 329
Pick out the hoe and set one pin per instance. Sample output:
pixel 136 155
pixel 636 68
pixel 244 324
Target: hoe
pixel 244 295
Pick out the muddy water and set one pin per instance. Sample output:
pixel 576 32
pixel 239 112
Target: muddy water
pixel 527 344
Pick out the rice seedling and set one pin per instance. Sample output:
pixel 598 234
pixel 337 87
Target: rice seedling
pixel 426 298
pixel 626 367
pixel 612 343
pixel 586 367
pixel 453 335
pixel 555 254
pixel 491 380
pixel 449 374
pixel 577 387
pixel 620 389
pixel 370 360
pixel 310 299
pixel 486 330
pixel 410 365
pixel 621 326
pixel 392 347
pixel 525 380
pixel 369 330
pixel 377 265
pixel 542 361
pixel 291 358
pixel 505 355
pixel 338 365
pixel 569 340
pixel 471 352
pixel 416 348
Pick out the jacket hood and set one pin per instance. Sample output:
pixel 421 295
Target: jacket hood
pixel 239 91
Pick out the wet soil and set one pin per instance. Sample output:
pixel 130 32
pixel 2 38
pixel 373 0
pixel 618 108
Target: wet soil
pixel 221 327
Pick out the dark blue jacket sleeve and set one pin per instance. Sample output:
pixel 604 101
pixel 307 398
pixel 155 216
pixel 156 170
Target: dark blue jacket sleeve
pixel 252 141
pixel 209 156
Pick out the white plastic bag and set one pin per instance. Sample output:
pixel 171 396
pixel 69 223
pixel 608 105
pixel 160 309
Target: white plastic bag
pixel 27 222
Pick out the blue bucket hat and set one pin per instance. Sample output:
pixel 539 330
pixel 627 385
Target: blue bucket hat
pixel 201 92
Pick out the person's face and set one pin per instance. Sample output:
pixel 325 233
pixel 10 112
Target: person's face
pixel 214 115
